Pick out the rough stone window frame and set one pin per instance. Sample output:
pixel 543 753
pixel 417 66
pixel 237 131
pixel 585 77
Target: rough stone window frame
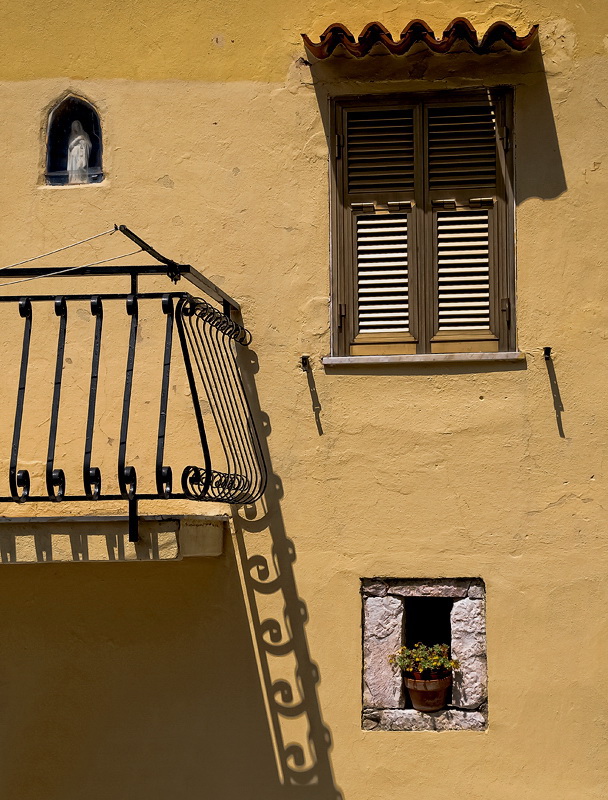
pixel 384 632
pixel 420 340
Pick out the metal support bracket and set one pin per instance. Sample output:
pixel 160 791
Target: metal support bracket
pixel 133 520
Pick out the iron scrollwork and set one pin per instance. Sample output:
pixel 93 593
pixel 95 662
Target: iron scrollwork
pixel 208 341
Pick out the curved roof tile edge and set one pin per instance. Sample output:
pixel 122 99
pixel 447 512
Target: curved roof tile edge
pixel 459 30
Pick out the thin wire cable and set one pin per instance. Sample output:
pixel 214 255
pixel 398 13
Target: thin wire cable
pixel 59 249
pixel 71 269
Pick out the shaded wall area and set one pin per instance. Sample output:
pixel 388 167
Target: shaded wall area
pixel 131 680
pixel 538 162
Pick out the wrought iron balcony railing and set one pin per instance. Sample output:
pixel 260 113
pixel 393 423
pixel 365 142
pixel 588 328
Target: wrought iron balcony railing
pixel 230 467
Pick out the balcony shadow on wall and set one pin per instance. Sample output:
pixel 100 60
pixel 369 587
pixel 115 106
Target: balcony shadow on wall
pixel 139 681
pixel 142 680
pixel 539 170
pixel 278 617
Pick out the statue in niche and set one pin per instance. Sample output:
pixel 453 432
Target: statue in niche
pixel 79 151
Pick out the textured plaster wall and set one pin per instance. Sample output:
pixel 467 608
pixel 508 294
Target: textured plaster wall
pixel 141 681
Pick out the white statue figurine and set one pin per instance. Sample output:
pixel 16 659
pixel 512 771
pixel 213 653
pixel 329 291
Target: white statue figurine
pixel 79 150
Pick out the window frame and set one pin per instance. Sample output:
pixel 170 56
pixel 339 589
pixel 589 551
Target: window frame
pixel 424 338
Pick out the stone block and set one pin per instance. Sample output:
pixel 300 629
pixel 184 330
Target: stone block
pixel 469 689
pixel 373 587
pixel 370 720
pixel 476 590
pixel 454 720
pixel 382 635
pixel 448 587
pixel 406 719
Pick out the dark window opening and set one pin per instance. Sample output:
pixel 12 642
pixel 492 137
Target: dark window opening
pixel 74 145
pixel 427 620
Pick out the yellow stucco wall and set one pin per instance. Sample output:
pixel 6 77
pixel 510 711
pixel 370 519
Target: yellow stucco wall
pixel 141 680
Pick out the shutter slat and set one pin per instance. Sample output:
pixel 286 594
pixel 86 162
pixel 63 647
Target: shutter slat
pixel 461 146
pixel 379 135
pixel 380 150
pixel 478 159
pixel 388 173
pixel 379 248
pixel 473 142
pixel 384 230
pixel 463 281
pixel 388 184
pixel 366 168
pixel 448 172
pixel 364 273
pixel 380 238
pixel 382 273
pixel 368 151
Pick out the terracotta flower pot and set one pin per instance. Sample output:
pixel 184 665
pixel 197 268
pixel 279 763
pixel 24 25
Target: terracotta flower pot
pixel 427 694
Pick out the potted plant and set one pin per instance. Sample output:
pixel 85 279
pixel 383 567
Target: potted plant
pixel 427 673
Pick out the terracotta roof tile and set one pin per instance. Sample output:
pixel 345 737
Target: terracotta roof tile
pixel 459 30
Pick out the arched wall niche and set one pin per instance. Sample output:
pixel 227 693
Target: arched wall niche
pixel 73 143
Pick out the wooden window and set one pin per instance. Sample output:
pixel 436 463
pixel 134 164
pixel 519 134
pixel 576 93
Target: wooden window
pixel 422 224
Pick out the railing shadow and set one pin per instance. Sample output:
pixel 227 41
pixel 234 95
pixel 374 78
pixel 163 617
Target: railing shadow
pixel 278 617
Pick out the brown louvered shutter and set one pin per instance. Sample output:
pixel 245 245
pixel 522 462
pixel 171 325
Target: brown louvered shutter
pixel 422 230
pixel 376 184
pixel 463 270
pixel 465 200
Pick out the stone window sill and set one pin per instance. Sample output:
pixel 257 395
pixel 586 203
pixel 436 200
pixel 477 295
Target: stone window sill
pixel 423 358
pixel 408 719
